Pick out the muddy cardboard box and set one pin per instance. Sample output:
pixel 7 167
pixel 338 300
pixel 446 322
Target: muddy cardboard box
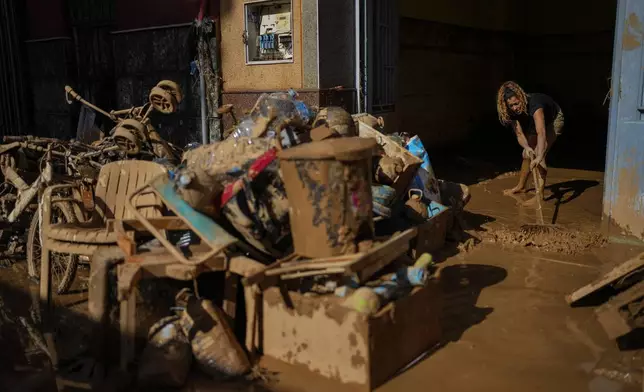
pixel 357 350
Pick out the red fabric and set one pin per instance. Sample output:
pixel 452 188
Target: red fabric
pixel 255 168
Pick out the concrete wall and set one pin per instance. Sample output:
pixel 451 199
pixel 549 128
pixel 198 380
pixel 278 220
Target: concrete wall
pixel 239 76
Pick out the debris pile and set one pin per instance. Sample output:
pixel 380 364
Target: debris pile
pixel 30 164
pixel 319 202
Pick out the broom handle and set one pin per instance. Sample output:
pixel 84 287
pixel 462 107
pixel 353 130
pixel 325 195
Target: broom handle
pixel 535 179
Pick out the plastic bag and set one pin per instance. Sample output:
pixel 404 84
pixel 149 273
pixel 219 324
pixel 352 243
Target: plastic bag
pixel 167 357
pixel 425 178
pixel 214 345
pixel 283 108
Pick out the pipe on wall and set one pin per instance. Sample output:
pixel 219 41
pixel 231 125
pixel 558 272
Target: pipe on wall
pixel 357 51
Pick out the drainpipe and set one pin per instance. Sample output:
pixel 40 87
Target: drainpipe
pixel 202 83
pixel 357 54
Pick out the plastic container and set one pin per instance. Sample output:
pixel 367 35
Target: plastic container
pixel 282 106
pixel 328 184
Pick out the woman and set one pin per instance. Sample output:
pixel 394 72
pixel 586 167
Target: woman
pixel 537 121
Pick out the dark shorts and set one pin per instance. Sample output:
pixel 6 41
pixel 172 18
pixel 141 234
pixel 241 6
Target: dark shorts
pixel 553 131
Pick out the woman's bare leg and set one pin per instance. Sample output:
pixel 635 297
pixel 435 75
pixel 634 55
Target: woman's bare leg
pixel 523 178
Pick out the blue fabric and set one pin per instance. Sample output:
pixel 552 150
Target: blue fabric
pixel 425 178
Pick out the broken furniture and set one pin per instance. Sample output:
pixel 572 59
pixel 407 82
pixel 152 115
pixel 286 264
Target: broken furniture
pixel 133 133
pixel 624 312
pixel 88 233
pixel 167 260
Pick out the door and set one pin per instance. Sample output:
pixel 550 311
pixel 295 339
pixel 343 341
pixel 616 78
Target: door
pixel 624 181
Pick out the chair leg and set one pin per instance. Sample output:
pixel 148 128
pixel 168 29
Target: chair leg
pixel 128 329
pixel 103 262
pixel 45 303
pixel 230 297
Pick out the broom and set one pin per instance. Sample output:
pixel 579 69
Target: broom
pixel 540 227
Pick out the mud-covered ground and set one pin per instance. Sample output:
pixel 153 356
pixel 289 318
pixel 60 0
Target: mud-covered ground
pixel 506 326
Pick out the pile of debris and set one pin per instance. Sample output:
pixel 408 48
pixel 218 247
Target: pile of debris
pixel 318 202
pixel 30 164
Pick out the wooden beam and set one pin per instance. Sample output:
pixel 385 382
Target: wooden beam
pixel 611 277
pixel 381 255
pixel 611 316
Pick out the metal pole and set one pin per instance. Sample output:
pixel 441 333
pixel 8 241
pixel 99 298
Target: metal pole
pixel 357 54
pixel 205 133
pixel 202 93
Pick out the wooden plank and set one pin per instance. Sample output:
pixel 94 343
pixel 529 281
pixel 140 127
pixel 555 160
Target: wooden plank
pixel 611 277
pixel 161 223
pixel 614 322
pixel 381 255
pixel 244 266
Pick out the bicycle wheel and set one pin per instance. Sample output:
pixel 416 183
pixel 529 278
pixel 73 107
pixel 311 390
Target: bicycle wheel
pixel 63 266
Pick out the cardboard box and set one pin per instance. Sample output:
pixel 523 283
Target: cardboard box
pixel 359 351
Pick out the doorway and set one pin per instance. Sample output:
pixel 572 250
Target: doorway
pixel 453 58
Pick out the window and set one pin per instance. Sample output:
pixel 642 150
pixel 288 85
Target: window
pixel 269 36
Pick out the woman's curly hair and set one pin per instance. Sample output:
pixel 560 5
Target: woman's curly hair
pixel 507 91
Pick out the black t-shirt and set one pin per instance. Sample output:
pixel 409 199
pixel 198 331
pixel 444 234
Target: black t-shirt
pixel 536 102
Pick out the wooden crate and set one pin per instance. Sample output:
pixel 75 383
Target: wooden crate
pixel 356 350
pixel 393 149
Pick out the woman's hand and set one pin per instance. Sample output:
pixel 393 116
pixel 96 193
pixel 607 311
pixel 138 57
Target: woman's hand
pixel 536 161
pixel 531 154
